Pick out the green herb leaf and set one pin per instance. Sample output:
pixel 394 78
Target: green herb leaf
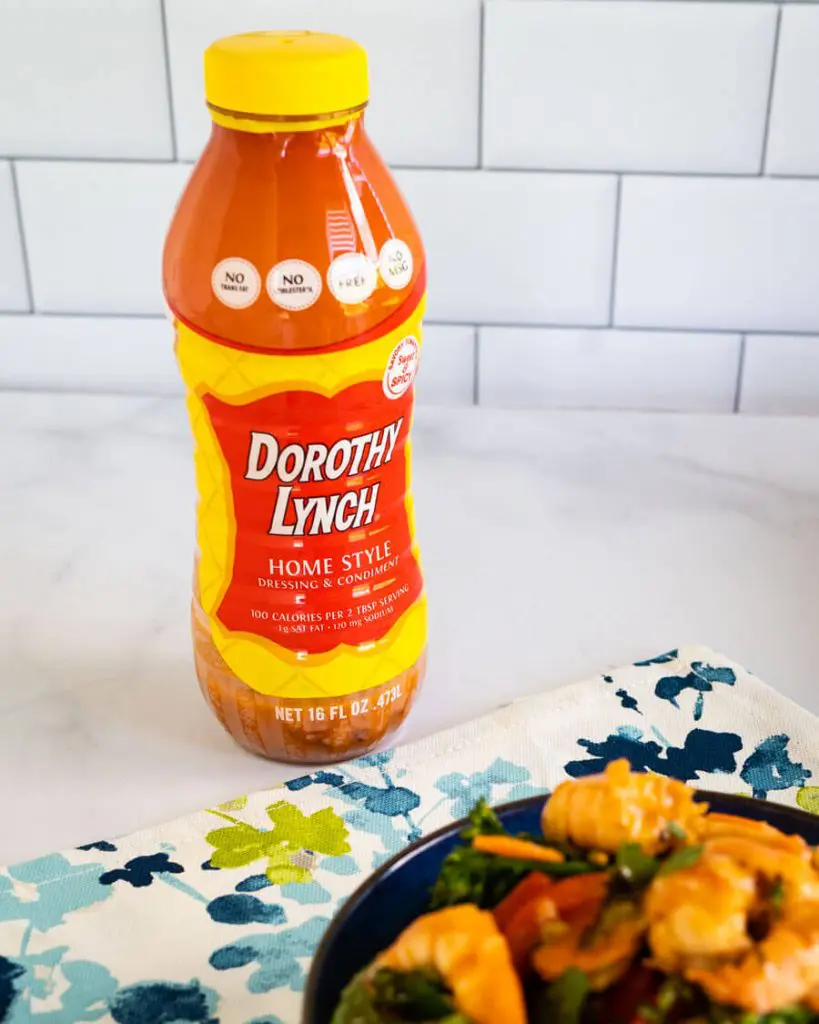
pixel 411 995
pixel 777 895
pixel 674 830
pixel 685 857
pixel 355 1005
pixel 788 1015
pixel 483 822
pixel 566 998
pixel 634 866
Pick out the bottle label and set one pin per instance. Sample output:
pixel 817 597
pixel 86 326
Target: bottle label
pixel 309 571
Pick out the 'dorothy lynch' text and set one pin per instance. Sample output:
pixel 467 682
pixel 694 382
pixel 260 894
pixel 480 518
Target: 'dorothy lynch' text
pixel 350 509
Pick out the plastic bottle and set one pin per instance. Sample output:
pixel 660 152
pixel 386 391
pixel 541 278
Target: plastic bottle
pixel 296 278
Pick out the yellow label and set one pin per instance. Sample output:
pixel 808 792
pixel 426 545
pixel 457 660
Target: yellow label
pixel 309 571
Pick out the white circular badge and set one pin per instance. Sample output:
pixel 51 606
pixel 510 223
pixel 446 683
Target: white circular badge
pixel 294 284
pixel 352 278
pixel 402 367
pixel 395 264
pixel 236 283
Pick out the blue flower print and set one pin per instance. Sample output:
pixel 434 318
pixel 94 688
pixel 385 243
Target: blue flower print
pixel 627 701
pixel 277 955
pixel 9 973
pixel 81 987
pixel 102 845
pixel 661 659
pixel 700 679
pixel 703 751
pixel 49 888
pixel 244 909
pixel 389 800
pixel 160 1002
pixel 769 767
pixel 140 871
pixel 253 883
pixel 465 790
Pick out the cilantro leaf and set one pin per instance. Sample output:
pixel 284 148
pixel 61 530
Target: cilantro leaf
pixel 685 857
pixel 634 866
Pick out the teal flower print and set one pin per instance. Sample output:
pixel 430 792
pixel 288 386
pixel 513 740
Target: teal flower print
pixel 276 954
pixel 43 891
pixel 466 790
pixel 53 990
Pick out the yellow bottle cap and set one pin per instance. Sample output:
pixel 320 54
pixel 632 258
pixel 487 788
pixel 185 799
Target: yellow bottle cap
pixel 305 78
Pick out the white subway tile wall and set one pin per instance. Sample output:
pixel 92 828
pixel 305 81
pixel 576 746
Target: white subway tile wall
pixel 101 353
pixel 508 247
pixel 620 198
pixel 83 80
pixel 719 253
pixel 607 369
pixel 13 290
pixel 793 144
pixel 781 375
pixel 621 86
pixel 94 233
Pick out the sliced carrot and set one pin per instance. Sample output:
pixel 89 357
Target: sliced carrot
pixel 517 849
pixel 573 892
pixel 533 887
pixel 525 930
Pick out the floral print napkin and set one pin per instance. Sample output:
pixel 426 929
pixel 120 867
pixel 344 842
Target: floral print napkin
pixel 214 918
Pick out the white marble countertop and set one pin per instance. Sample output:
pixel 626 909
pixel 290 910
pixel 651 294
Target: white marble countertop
pixel 565 542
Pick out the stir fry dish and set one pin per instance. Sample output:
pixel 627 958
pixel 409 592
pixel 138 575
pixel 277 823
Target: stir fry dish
pixel 635 906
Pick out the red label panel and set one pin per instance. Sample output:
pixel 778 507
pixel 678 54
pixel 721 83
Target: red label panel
pixel 322 551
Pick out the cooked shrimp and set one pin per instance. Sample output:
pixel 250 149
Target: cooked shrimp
pixel 721 826
pixel 698 912
pixel 781 970
pixel 794 870
pixel 605 958
pixel 464 946
pixel 621 806
pixel 702 918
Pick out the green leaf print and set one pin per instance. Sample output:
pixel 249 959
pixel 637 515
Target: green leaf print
pixel 281 870
pixel 808 799
pixel 239 845
pixel 322 832
pixel 236 804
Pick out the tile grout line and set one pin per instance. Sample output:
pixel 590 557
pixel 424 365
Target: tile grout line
pixel 771 86
pixel 18 209
pixel 618 200
pixel 476 366
pixel 481 77
pixel 740 373
pixel 168 87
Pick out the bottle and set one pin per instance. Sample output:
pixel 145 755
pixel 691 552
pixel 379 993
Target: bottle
pixel 296 279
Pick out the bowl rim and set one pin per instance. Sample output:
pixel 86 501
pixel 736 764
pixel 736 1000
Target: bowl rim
pixel 413 849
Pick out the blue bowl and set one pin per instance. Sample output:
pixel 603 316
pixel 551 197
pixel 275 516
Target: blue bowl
pixel 399 892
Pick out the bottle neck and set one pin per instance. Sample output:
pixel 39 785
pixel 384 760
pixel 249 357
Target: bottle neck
pixel 264 125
